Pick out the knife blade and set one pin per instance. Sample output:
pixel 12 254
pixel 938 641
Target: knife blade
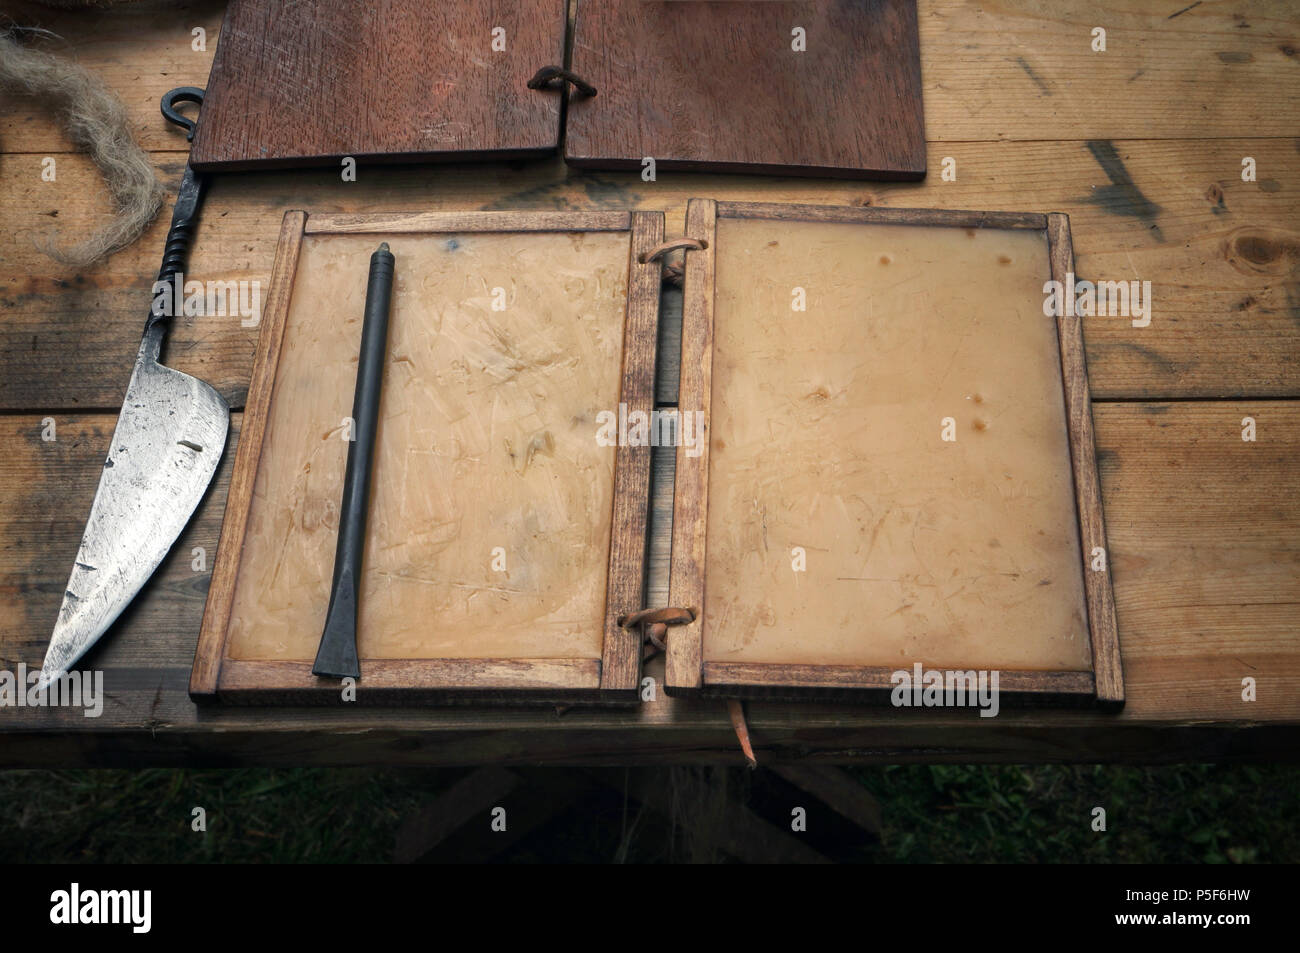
pixel 169 438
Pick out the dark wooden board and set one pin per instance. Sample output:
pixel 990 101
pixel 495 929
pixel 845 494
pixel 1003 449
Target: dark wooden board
pixel 310 82
pixel 718 86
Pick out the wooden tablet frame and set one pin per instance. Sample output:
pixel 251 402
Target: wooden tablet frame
pixel 687 672
pixel 613 678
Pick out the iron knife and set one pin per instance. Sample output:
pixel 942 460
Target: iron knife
pixel 169 438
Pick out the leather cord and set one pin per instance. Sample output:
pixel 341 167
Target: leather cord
pixel 542 78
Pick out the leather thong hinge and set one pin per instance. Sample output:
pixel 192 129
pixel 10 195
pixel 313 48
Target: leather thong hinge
pixel 544 77
pixel 674 273
pixel 656 622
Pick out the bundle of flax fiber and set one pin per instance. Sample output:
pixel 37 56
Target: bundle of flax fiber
pixel 95 120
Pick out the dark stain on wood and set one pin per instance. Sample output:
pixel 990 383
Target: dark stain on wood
pixel 607 193
pixel 603 191
pixel 1259 251
pixel 1214 195
pixel 1038 80
pixel 1165 365
pixel 1122 196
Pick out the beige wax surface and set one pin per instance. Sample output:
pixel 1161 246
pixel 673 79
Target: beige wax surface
pixel 826 435
pixel 486 450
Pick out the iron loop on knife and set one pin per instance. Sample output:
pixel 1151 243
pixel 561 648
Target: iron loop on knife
pixel 181 94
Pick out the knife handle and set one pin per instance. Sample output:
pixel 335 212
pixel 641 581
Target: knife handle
pixel 185 217
pixel 337 655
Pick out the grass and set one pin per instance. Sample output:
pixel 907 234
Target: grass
pixel 1178 814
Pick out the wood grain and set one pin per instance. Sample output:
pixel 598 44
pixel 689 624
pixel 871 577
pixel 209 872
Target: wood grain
pixel 620 673
pixel 721 87
pixel 853 682
pixel 208 656
pixel 871 215
pixel 409 223
pixel 684 657
pixel 416 682
pixel 410 80
pixel 1204 534
pixel 1107 669
pixel 1222 255
pixel 1020 70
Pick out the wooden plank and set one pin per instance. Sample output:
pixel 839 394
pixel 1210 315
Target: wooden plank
pixel 412 681
pixel 620 672
pixel 408 80
pixel 1205 557
pixel 1219 253
pixel 49 486
pixel 139 52
pixel 404 223
pixel 1204 543
pixel 1021 71
pixel 843 682
pixel 684 657
pixel 221 592
pixel 753 88
pixel 872 215
pixel 1025 70
pixel 1107 670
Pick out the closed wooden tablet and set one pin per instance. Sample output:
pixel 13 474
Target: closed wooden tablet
pixel 309 82
pixel 896 465
pixel 504 540
pixel 787 88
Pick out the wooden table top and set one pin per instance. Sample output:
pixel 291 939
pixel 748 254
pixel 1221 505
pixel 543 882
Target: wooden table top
pixel 1142 144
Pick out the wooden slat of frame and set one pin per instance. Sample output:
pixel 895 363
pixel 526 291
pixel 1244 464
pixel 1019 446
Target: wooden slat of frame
pixel 872 215
pixel 625 589
pixel 1102 628
pixel 245 680
pixel 221 590
pixel 757 680
pixel 415 222
pixel 684 657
